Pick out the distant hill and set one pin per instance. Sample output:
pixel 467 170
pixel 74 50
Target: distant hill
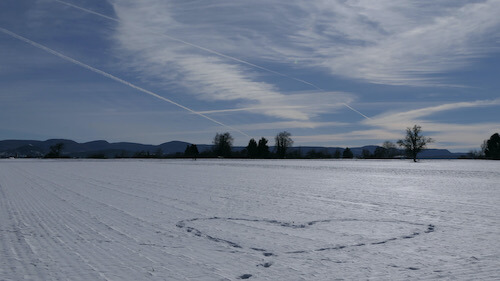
pixel 358 151
pixel 34 148
pixel 440 154
pixel 102 148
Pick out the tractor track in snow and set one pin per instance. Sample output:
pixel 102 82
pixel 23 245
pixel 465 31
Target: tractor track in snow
pixel 78 230
pixel 92 220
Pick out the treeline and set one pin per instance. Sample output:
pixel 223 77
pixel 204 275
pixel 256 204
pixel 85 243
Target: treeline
pixel 223 143
pixel 411 145
pixel 222 147
pixel 490 149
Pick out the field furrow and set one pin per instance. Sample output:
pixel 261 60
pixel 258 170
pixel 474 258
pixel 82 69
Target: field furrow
pixel 261 220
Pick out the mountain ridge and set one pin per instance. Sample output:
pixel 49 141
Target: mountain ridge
pixel 103 148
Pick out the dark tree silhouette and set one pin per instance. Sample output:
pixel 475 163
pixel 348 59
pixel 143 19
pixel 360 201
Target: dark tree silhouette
pixel 55 150
pixel 337 154
pixel 262 148
pixel 414 142
pixel 366 154
pixel 142 154
pixel 321 154
pixel 387 150
pixel 159 153
pixel 252 149
pixel 222 144
pixel 191 151
pixel 98 155
pixel 347 153
pixel 283 142
pixel 391 149
pixel 380 153
pixel 492 147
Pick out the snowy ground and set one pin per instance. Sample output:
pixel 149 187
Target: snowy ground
pixel 262 220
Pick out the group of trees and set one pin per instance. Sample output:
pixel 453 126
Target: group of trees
pixel 283 142
pixel 223 143
pixel 491 147
pixel 323 154
pixel 257 150
pixel 413 143
pixel 192 151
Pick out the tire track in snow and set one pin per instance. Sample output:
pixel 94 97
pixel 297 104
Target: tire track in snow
pixel 63 223
pixel 116 238
pixel 19 259
pixel 454 251
pixel 119 226
pixel 120 193
pixel 48 232
pixel 137 193
pixel 229 267
pixel 45 242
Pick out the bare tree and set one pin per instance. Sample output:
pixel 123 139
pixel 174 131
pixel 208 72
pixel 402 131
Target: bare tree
pixel 283 142
pixel 222 144
pixel 390 149
pixel 414 142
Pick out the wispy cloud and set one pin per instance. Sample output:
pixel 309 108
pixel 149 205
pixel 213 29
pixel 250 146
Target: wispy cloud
pixel 312 104
pixel 394 119
pixel 358 135
pixel 399 43
pixel 290 125
pixel 450 135
pixel 207 77
pixel 255 65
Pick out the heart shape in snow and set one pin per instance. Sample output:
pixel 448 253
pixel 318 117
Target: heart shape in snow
pixel 273 236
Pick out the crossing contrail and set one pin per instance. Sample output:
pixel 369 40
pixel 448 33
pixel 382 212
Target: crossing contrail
pixel 355 110
pixel 197 46
pixel 215 53
pixel 112 77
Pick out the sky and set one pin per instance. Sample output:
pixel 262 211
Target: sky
pixel 333 73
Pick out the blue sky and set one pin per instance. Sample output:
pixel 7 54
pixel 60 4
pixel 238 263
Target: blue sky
pixel 331 72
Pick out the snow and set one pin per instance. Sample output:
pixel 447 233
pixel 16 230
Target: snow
pixel 261 220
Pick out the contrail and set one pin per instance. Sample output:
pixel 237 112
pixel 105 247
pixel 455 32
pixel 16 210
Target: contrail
pixel 197 46
pixel 250 108
pixel 213 52
pixel 355 110
pixel 110 76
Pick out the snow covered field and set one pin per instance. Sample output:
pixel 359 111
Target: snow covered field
pixel 262 220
